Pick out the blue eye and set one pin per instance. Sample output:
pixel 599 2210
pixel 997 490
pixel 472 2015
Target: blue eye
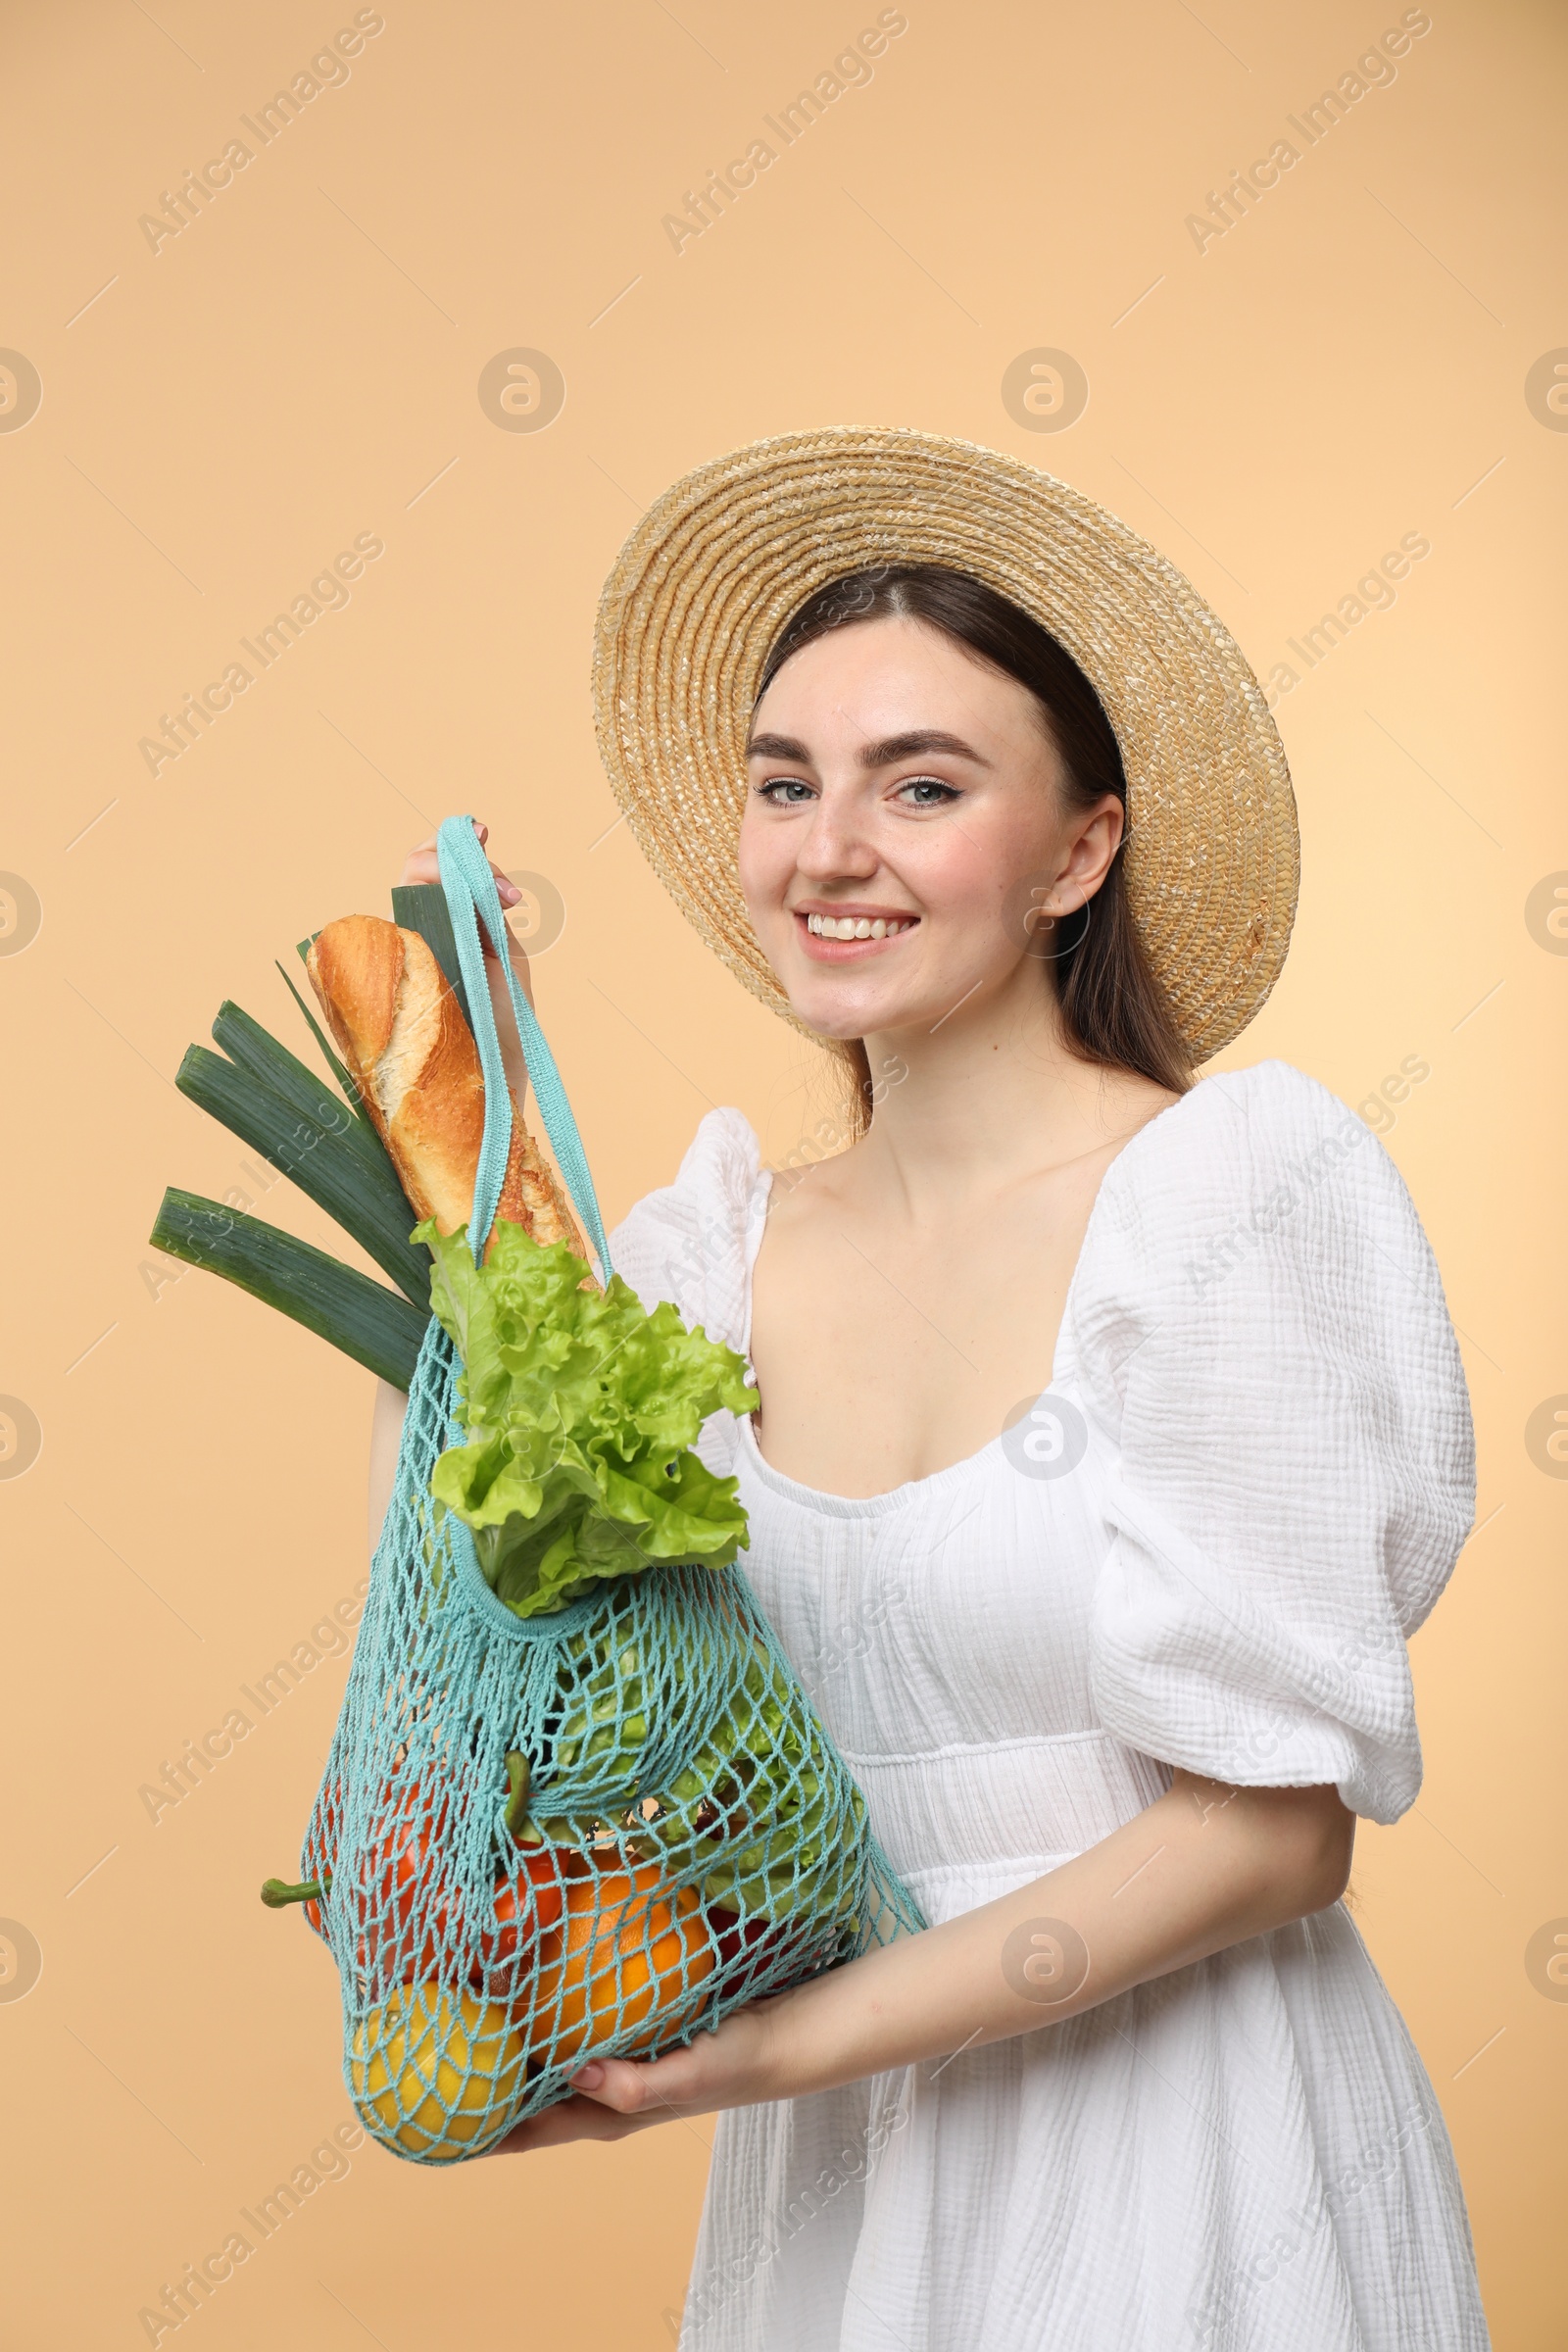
pixel 792 785
pixel 929 784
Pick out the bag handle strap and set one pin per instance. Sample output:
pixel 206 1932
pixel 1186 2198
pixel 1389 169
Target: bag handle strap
pixel 471 900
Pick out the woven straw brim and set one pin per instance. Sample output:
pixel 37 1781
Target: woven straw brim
pixel 715 567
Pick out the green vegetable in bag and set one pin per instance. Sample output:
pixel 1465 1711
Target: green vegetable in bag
pixel 579 1410
pixel 765 1761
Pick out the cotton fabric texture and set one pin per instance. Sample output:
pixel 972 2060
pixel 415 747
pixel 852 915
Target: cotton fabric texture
pixel 1260 1401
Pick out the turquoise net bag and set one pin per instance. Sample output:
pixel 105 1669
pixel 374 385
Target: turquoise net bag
pixel 601 1827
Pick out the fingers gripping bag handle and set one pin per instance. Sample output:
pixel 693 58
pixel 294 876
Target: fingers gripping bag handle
pixel 576 1799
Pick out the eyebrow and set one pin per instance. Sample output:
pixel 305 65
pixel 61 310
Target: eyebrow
pixel 886 753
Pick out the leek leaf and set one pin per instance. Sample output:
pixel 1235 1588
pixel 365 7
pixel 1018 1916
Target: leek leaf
pixel 256 1051
pixel 331 1159
pixel 367 1321
pixel 422 906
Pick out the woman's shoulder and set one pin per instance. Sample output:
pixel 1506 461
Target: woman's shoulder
pixel 1243 1154
pixel 1262 1335
pixel 1256 1188
pixel 689 1241
pixel 1236 1119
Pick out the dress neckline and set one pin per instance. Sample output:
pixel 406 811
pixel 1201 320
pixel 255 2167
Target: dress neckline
pixel 1062 1366
pixel 860 1506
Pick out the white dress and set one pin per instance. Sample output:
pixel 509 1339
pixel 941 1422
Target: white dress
pixel 1245 1487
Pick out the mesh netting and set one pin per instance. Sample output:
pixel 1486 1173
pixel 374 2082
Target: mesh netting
pixel 596 1831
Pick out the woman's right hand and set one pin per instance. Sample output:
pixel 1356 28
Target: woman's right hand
pixel 422 866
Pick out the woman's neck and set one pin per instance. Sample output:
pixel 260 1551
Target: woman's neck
pixel 991 1094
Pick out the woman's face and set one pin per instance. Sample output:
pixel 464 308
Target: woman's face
pixel 898 784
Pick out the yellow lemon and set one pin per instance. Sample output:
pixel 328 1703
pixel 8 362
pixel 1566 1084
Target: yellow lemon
pixel 430 2072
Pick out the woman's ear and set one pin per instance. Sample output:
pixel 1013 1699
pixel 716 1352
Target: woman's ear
pixel 1095 837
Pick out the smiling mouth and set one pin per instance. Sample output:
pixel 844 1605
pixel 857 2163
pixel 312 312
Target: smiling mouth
pixel 855 929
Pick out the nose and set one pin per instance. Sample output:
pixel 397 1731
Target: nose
pixel 836 844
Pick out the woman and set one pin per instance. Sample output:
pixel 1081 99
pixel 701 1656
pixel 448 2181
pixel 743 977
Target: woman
pixel 1112 1440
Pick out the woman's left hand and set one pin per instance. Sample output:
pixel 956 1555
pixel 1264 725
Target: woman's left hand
pixel 1235 1863
pixel 735 2066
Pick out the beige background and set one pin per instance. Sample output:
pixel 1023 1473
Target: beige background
pixel 299 366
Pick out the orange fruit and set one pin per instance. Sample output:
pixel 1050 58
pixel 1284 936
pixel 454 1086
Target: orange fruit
pixel 620 1957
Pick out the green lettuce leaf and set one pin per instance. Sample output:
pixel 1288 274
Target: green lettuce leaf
pixel 579 1410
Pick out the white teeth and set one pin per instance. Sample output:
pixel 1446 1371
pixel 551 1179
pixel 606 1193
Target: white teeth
pixel 849 926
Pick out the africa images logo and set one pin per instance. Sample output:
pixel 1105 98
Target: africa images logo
pixel 1374 70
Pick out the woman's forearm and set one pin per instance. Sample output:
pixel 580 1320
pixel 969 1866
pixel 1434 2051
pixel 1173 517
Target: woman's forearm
pixel 1203 1868
pixel 386 1431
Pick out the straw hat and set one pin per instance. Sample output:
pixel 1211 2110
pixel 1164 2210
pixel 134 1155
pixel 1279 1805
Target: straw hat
pixel 717 566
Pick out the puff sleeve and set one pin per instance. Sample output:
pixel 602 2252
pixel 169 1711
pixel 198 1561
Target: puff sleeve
pixel 1260 1331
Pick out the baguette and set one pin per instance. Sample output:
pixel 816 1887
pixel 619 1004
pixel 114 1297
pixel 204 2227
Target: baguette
pixel 399 1027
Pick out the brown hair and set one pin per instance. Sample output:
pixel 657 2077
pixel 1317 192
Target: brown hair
pixel 1113 1008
